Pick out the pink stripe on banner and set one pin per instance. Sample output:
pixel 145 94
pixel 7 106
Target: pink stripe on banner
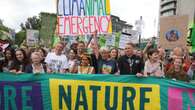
pixel 175 100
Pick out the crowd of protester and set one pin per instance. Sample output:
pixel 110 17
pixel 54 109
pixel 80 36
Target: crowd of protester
pixel 82 58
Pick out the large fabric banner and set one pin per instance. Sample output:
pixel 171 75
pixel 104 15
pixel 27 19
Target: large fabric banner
pixel 81 17
pixel 93 92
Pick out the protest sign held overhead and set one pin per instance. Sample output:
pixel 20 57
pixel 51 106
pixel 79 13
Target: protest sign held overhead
pixel 125 38
pixel 80 17
pixel 173 31
pixel 48 27
pixel 32 37
pixel 110 40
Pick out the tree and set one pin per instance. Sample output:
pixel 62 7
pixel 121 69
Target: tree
pixel 5 33
pixel 20 37
pixel 31 23
pixel 3 27
pixel 191 36
pixel 1 22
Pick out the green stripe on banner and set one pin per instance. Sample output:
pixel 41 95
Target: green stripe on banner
pixel 93 92
pixel 193 38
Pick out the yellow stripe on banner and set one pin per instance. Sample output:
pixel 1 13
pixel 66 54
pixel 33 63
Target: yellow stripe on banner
pixel 110 26
pixel 108 7
pixel 78 94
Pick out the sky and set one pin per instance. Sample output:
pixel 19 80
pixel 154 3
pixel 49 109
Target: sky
pixel 14 12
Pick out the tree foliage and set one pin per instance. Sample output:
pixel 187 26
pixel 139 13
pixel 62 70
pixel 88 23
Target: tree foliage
pixel 3 27
pixel 20 37
pixel 31 23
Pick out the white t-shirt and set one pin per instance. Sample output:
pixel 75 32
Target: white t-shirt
pixel 56 62
pixel 72 63
pixel 152 68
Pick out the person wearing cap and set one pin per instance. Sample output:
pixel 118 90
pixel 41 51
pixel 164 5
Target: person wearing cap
pixel 191 70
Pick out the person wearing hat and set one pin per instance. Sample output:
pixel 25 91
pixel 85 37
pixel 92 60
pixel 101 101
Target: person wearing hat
pixel 191 71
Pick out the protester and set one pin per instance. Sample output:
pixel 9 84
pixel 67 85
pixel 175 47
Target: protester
pixel 147 47
pixel 153 67
pixel 182 52
pixel 114 54
pixel 130 64
pixel 74 46
pixel 187 60
pixel 1 67
pixel 178 52
pixel 161 54
pixel 94 51
pixel 42 52
pixel 139 53
pixel 80 48
pixel 9 59
pixel 85 66
pixel 20 62
pixel 36 66
pixel 66 48
pixel 191 71
pixel 176 71
pixel 72 61
pixel 105 64
pixel 56 61
pixel 26 49
pixel 1 59
pixel 87 58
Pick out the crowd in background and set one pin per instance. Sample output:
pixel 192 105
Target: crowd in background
pixel 82 58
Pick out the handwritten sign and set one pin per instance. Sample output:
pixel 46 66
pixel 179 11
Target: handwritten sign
pixel 81 17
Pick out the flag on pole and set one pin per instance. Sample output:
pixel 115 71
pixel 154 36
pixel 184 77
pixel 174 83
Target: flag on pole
pixel 55 40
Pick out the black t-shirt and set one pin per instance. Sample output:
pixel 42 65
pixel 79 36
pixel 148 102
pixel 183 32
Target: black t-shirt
pixel 130 65
pixel 107 66
pixel 94 62
pixel 18 66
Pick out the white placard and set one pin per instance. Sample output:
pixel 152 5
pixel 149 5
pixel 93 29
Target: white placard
pixel 32 37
